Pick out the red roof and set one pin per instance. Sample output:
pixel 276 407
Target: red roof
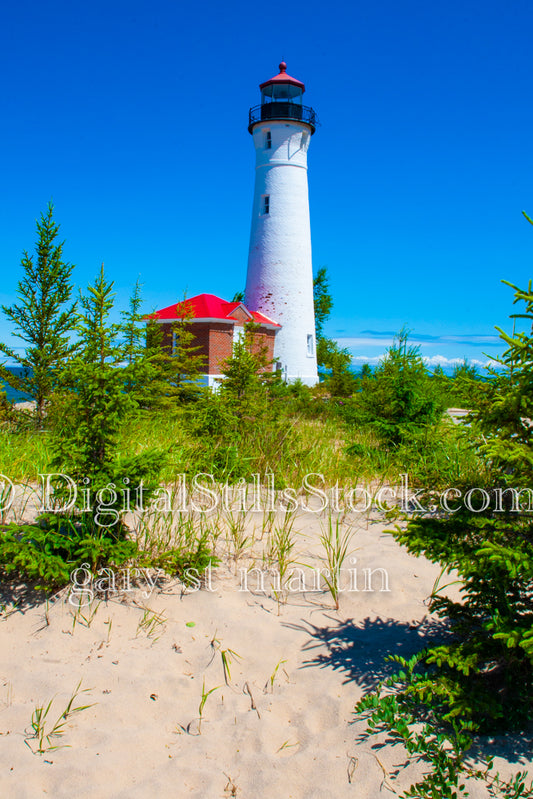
pixel 208 306
pixel 283 78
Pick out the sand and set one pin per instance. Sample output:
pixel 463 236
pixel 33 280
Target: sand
pixel 280 724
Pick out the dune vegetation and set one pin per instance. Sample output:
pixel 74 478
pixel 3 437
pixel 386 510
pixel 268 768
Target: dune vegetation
pixel 116 411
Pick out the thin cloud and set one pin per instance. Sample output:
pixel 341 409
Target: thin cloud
pixel 430 360
pixel 362 341
pixel 442 360
pixel 373 360
pixel 470 339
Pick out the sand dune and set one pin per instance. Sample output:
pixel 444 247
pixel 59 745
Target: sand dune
pixel 283 725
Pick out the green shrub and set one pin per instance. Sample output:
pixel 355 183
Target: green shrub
pixel 400 399
pixel 46 553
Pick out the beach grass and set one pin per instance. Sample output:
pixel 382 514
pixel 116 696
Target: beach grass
pixel 325 446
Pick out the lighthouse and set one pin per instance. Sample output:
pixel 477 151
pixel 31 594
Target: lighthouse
pixel 279 282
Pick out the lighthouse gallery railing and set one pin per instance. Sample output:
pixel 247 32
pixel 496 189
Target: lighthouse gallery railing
pixel 266 111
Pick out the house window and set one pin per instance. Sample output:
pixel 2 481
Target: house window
pixel 266 204
pixel 304 143
pixel 268 140
pixel 310 345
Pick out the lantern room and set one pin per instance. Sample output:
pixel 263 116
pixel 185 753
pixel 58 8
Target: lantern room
pixel 282 88
pixel 281 98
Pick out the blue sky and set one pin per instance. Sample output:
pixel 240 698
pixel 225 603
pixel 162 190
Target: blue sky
pixel 132 117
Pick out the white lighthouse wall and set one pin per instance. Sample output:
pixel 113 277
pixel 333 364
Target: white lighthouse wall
pixel 280 277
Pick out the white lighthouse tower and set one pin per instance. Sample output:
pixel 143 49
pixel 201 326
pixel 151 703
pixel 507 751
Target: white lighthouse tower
pixel 279 282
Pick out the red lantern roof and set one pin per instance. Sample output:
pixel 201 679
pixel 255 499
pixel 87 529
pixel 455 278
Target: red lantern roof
pixel 283 78
pixel 208 307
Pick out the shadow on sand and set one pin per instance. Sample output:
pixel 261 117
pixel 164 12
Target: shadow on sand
pixel 359 649
pixel 16 596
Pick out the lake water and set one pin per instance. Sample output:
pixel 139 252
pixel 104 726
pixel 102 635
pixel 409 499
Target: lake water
pixel 12 395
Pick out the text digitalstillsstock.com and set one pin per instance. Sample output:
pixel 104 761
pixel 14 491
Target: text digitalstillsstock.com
pixel 201 493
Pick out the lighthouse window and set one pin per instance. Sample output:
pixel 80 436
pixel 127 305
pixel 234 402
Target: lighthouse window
pixel 310 350
pixel 266 204
pixel 268 140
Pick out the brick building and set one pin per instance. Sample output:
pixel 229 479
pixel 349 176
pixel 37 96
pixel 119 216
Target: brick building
pixel 216 324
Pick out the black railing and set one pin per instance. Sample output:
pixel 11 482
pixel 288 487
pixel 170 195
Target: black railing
pixel 266 111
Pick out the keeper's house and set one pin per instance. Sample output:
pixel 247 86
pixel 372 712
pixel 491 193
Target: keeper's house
pixel 216 325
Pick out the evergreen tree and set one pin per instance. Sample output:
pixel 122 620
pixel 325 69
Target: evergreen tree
pixel 336 362
pixel 443 386
pixel 483 674
pixel 99 337
pixel 42 318
pixel 6 409
pixel 400 399
pixel 505 404
pixel 133 329
pixel 323 301
pixel 138 353
pixel 178 365
pixel 339 379
pixel 95 387
pixel 97 403
pixel 188 363
pixel 465 370
pixel 247 370
pixel 465 386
